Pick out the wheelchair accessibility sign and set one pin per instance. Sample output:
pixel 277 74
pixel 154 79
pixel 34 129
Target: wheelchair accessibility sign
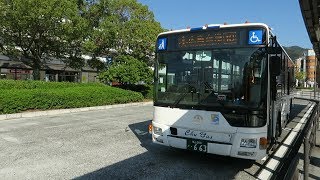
pixel 255 37
pixel 162 44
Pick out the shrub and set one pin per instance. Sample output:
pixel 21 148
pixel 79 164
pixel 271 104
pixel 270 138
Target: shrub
pixel 12 84
pixel 299 87
pixel 56 96
pixel 144 89
pixel 127 70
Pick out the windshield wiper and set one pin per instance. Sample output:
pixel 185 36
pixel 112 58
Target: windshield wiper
pixel 191 89
pixel 207 86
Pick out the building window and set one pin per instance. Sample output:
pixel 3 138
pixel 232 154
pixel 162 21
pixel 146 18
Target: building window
pixel 3 76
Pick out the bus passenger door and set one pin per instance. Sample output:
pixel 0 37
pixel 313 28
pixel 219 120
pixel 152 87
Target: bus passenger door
pixel 274 116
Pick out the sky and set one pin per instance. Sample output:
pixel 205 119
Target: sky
pixel 283 16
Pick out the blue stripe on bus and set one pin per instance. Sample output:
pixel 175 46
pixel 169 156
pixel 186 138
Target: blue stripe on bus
pixel 196 29
pixel 213 27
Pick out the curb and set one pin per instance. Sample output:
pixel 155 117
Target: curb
pixel 72 110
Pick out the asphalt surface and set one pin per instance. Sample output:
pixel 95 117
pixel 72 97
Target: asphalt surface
pixel 104 144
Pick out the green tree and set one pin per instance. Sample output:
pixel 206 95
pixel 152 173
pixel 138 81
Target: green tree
pixel 138 29
pixel 300 76
pixel 122 27
pixel 38 30
pixel 127 70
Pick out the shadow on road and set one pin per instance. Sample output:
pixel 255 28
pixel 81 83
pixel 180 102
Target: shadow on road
pixel 161 162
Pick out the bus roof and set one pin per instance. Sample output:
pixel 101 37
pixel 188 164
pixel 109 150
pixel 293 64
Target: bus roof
pixel 218 26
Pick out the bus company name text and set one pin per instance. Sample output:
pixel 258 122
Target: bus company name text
pixel 202 134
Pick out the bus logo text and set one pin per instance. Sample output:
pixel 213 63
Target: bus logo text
pixel 215 119
pixel 197 119
pixel 202 135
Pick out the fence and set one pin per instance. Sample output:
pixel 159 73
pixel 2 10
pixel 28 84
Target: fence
pixel 307 136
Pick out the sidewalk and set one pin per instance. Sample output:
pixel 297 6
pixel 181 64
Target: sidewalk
pixel 64 111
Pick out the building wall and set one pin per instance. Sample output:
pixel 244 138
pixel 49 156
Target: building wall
pixel 88 77
pixel 299 65
pixel 84 77
pixel 15 74
pixel 311 66
pixel 93 77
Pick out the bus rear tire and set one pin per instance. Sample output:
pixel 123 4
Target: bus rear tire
pixel 278 126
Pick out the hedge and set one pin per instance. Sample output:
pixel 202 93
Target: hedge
pixel 145 89
pixel 308 88
pixel 12 84
pixel 17 99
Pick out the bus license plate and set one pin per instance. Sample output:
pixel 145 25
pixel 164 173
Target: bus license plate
pixel 197 145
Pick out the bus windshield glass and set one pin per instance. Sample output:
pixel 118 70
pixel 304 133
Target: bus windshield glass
pixel 229 77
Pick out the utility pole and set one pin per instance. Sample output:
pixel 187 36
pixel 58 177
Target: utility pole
pixel 315 77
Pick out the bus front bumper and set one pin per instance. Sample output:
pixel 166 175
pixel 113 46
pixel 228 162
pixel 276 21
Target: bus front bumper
pixel 232 149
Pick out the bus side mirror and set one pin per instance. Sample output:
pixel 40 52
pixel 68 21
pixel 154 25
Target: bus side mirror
pixel 275 65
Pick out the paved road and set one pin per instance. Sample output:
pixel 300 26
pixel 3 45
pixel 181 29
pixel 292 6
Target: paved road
pixel 105 144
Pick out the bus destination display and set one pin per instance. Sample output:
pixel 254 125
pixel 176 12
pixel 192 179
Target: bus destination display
pixel 207 39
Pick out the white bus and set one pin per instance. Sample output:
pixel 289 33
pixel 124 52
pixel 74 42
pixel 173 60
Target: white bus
pixel 221 89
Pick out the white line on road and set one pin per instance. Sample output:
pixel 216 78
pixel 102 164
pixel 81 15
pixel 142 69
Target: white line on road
pixel 10 139
pixel 61 125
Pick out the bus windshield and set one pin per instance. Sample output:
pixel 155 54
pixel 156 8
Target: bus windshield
pixel 230 77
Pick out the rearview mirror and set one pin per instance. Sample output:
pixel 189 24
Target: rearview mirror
pixel 275 65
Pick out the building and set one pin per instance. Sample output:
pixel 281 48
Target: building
pixel 55 70
pixel 310 67
pixel 300 65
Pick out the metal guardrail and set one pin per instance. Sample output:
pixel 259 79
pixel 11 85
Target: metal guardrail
pixel 307 136
pixel 308 95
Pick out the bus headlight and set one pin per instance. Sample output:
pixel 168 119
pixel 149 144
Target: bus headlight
pixel 248 143
pixel 157 130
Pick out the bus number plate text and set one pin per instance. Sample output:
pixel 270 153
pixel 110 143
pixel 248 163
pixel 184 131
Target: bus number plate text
pixel 197 145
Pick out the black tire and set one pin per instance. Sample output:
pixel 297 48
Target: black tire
pixel 288 118
pixel 278 126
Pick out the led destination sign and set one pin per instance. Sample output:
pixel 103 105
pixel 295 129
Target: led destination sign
pixel 208 39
